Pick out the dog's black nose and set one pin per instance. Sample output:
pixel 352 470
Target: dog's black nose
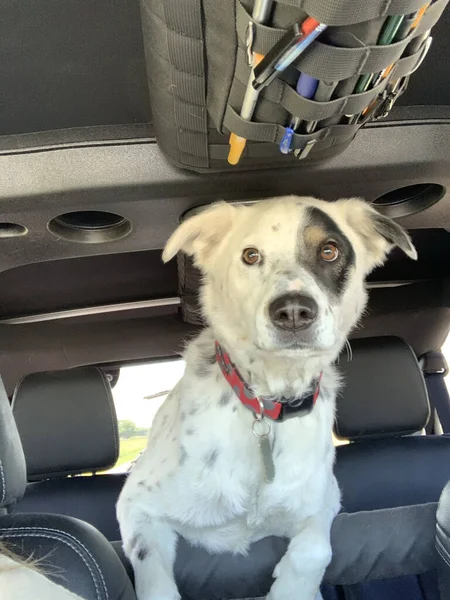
pixel 292 312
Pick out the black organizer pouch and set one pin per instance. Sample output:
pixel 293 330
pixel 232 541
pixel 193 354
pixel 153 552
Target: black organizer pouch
pixel 198 70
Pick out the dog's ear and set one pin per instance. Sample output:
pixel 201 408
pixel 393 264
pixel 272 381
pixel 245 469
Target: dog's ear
pixel 378 233
pixel 198 235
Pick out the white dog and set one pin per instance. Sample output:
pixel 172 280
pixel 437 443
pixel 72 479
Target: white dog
pixel 226 465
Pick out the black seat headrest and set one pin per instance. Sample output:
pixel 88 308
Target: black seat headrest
pixel 384 393
pixel 67 422
pixel 13 479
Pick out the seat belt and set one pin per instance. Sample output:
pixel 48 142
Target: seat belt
pixel 435 369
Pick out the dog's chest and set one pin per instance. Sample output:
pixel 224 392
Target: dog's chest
pixel 226 478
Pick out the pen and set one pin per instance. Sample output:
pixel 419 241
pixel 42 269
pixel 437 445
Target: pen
pixel 286 51
pixel 260 14
pixel 306 87
pixel 410 23
pixel 407 26
pixel 324 93
pixel 387 35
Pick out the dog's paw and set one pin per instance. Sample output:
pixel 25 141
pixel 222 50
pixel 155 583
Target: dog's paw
pixel 158 596
pixel 288 585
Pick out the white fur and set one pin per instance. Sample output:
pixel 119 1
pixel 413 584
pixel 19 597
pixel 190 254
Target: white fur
pixel 201 476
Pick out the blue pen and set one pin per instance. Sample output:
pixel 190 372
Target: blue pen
pixel 306 87
pixel 295 41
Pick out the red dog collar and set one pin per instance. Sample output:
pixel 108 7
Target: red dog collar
pixel 275 410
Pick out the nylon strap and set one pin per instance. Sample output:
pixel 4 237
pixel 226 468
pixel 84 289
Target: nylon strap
pixel 332 63
pixel 272 132
pixel 348 12
pixel 185 45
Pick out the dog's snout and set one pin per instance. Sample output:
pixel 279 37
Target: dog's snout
pixel 293 312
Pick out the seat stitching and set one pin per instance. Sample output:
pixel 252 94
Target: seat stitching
pixel 110 401
pixel 58 538
pixel 76 540
pixel 2 476
pixel 441 554
pixel 16 391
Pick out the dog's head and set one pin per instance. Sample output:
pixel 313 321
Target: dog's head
pixel 287 275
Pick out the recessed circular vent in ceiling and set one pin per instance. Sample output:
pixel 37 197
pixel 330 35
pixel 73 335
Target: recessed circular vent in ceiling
pixel 410 199
pixel 90 227
pixel 9 230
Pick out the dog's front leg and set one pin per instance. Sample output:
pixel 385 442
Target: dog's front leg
pixel 152 551
pixel 299 573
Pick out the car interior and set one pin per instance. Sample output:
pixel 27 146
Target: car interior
pixel 88 198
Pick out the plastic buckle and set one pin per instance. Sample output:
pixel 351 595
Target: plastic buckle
pixel 434 363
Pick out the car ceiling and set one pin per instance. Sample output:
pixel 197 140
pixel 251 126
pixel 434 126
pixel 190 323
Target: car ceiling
pixel 76 135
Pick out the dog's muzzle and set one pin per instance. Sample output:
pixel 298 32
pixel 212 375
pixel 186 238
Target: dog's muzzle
pixel 293 312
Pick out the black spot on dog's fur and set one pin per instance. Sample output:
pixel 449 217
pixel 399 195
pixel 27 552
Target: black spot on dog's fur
pixel 224 399
pixel 182 416
pixel 203 370
pixel 193 411
pixel 183 455
pixel 141 483
pixel 234 408
pixel 211 458
pixel 190 431
pixel 276 227
pixel 320 229
pixel 143 553
pixel 149 488
pixel 133 542
pixel 165 419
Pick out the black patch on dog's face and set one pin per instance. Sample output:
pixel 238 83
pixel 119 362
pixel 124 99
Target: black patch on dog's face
pixel 320 229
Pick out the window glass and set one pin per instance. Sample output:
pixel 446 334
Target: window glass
pixel 138 394
pixel 446 353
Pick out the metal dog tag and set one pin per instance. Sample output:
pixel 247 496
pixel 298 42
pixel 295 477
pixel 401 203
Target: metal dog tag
pixel 267 458
pixel 261 429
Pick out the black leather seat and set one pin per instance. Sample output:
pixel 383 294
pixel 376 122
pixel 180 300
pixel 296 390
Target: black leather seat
pixel 73 411
pixel 388 463
pixel 383 404
pixel 73 553
pixel 443 542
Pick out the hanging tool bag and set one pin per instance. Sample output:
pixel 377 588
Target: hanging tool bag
pixel 203 54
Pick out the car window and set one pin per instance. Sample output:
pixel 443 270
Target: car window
pixel 138 393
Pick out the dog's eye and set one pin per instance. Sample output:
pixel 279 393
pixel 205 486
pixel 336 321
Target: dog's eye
pixel 251 256
pixel 329 252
